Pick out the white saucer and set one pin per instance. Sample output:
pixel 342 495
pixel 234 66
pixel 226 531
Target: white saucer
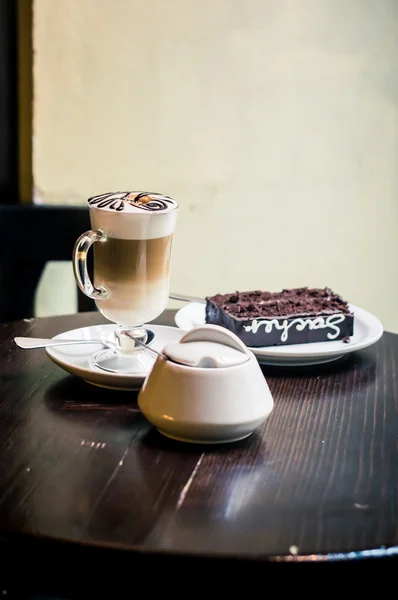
pixel 75 359
pixel 367 330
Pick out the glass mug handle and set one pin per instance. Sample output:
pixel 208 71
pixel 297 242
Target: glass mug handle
pixel 82 246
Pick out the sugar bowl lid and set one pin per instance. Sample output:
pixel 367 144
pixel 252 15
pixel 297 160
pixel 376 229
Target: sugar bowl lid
pixel 208 347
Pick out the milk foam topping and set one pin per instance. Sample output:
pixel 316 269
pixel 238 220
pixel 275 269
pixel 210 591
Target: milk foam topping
pixel 133 215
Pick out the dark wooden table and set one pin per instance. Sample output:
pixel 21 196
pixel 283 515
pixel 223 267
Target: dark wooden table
pixel 84 478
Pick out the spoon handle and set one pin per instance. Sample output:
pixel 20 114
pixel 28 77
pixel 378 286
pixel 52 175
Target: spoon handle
pixel 148 347
pixel 30 342
pixel 185 298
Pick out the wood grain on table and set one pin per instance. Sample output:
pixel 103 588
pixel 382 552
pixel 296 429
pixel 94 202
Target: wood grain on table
pixel 81 465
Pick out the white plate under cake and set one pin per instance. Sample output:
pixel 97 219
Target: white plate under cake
pixel 367 330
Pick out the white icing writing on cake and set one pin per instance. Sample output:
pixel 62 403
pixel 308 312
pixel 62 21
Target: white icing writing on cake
pixel 329 322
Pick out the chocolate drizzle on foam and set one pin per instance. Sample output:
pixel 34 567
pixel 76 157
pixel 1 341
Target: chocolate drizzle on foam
pixel 119 201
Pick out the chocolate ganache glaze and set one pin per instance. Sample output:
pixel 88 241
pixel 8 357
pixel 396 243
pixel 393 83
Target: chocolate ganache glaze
pixel 295 316
pixel 138 201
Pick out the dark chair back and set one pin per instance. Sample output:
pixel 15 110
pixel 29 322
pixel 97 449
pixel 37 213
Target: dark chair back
pixel 31 236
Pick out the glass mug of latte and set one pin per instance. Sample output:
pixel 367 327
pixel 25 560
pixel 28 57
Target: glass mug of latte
pixel 131 237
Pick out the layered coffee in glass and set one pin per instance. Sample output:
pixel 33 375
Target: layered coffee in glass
pixel 132 234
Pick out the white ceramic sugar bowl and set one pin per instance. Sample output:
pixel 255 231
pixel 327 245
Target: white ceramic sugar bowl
pixel 224 399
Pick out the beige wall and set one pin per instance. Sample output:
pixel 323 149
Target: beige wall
pixel 274 122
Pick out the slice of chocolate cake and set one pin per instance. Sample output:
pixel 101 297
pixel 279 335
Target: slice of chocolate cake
pixel 296 316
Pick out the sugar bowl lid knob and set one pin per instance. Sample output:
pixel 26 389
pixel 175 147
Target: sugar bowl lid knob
pixel 208 346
